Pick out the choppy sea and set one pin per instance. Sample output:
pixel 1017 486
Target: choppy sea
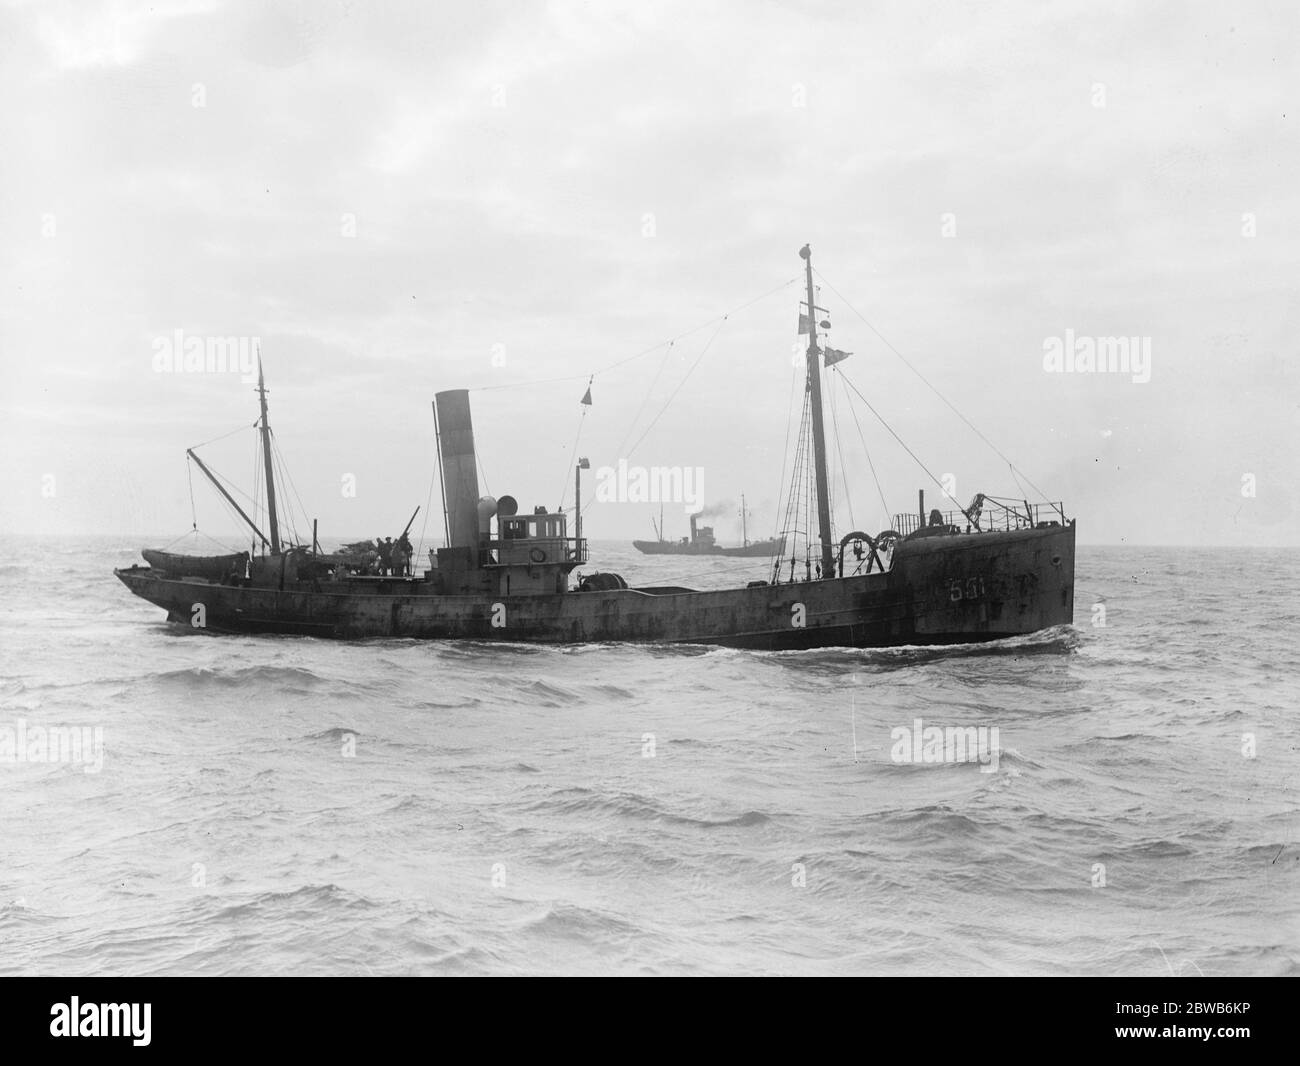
pixel 295 806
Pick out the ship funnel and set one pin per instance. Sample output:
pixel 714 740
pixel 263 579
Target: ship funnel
pixel 459 467
pixel 487 507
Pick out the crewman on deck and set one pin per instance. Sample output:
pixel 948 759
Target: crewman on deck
pixel 385 548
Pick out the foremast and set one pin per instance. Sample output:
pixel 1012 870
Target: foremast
pixel 266 460
pixel 819 428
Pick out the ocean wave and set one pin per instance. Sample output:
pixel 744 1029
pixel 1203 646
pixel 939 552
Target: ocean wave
pixel 568 921
pixel 18 910
pixel 439 705
pixel 582 801
pixel 937 822
pixel 315 901
pixel 267 678
pixel 336 733
pixel 484 649
pixel 550 694
pixel 1157 849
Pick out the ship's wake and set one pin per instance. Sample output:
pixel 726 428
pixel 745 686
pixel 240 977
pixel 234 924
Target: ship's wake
pixel 1058 640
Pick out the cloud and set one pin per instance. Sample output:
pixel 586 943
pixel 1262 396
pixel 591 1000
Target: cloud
pixel 398 201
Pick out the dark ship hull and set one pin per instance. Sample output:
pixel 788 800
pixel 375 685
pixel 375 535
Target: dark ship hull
pixel 761 549
pixel 939 590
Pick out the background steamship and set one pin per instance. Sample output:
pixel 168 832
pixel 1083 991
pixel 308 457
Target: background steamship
pixel 703 542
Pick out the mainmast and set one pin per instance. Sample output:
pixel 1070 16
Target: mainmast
pixel 819 429
pixel 266 458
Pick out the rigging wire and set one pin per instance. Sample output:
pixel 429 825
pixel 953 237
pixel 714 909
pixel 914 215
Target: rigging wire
pixel 844 470
pixel 670 343
pixel 698 359
pixel 1018 485
pixel 785 455
pixel 255 480
pixel 231 513
pixel 284 512
pixel 255 507
pixel 645 399
pixel 428 502
pixel 259 513
pixel 894 435
pixel 240 429
pixel 194 514
pixel 644 352
pixel 867 451
pixel 668 346
pixel 800 491
pixel 235 488
pixel 287 477
pixel 931 387
pixel 196 534
pixel 667 403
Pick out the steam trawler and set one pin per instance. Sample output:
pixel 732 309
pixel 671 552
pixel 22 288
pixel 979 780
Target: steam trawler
pixel 703 542
pixel 987 571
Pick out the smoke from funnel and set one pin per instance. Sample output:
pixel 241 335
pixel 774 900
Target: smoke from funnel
pixel 717 510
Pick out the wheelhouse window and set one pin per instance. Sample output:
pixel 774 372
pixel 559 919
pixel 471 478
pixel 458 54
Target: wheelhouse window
pixel 526 526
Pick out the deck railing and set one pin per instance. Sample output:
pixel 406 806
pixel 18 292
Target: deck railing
pixel 994 517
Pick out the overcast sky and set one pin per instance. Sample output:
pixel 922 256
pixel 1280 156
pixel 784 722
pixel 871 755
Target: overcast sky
pixel 398 198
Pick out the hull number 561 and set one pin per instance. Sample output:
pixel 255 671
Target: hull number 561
pixel 970 589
